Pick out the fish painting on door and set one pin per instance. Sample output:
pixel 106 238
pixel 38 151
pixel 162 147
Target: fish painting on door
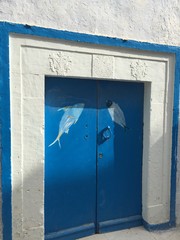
pixel 70 117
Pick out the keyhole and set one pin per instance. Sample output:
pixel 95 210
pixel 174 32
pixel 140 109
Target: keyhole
pixel 100 155
pixel 86 137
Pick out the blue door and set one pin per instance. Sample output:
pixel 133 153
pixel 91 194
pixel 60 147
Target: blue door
pixel 119 171
pixel 93 156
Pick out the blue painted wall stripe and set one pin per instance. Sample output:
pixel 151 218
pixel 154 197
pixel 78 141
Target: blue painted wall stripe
pixel 175 140
pixel 87 38
pixel 5 131
pixel 9 28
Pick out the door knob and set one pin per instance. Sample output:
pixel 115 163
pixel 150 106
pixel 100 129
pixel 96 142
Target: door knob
pixel 106 133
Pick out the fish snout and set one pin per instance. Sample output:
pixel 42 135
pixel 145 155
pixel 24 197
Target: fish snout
pixel 109 103
pixel 81 105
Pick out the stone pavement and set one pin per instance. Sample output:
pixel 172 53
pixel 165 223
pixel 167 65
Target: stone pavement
pixel 138 233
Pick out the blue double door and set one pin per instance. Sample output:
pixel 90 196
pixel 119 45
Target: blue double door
pixel 93 156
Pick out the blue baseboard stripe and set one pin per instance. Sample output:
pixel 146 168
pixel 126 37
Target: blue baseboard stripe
pixel 71 231
pixel 156 227
pixel 118 224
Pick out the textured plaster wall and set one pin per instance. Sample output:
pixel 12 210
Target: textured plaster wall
pixel 143 20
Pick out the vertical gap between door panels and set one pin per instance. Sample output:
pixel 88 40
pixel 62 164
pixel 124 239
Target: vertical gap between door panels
pixel 97 124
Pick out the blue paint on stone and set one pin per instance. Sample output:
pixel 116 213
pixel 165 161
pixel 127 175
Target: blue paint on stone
pixel 9 28
pixel 158 227
pixel 175 139
pixel 5 133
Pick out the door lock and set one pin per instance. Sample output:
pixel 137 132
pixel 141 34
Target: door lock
pixel 106 133
pixel 100 155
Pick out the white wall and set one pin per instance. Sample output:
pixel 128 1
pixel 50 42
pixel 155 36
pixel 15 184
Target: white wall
pixel 143 20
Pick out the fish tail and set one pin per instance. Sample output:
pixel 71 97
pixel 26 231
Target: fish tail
pixel 60 109
pixel 57 139
pixel 59 143
pixel 63 109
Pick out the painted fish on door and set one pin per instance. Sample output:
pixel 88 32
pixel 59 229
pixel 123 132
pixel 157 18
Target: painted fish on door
pixel 72 114
pixel 116 113
pixel 70 117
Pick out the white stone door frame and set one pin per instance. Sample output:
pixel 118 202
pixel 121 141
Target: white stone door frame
pixel 31 59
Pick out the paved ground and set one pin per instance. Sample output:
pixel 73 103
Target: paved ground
pixel 138 233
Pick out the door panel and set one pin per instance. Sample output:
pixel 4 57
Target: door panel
pixel 70 168
pixel 93 169
pixel 120 156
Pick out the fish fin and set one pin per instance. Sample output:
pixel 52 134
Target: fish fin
pixel 57 139
pixel 67 131
pixel 60 109
pixel 76 119
pixel 69 116
pixel 64 108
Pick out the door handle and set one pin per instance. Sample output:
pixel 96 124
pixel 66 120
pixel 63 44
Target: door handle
pixel 106 133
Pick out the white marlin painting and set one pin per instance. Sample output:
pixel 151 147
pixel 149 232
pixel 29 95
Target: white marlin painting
pixel 70 117
pixel 116 114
